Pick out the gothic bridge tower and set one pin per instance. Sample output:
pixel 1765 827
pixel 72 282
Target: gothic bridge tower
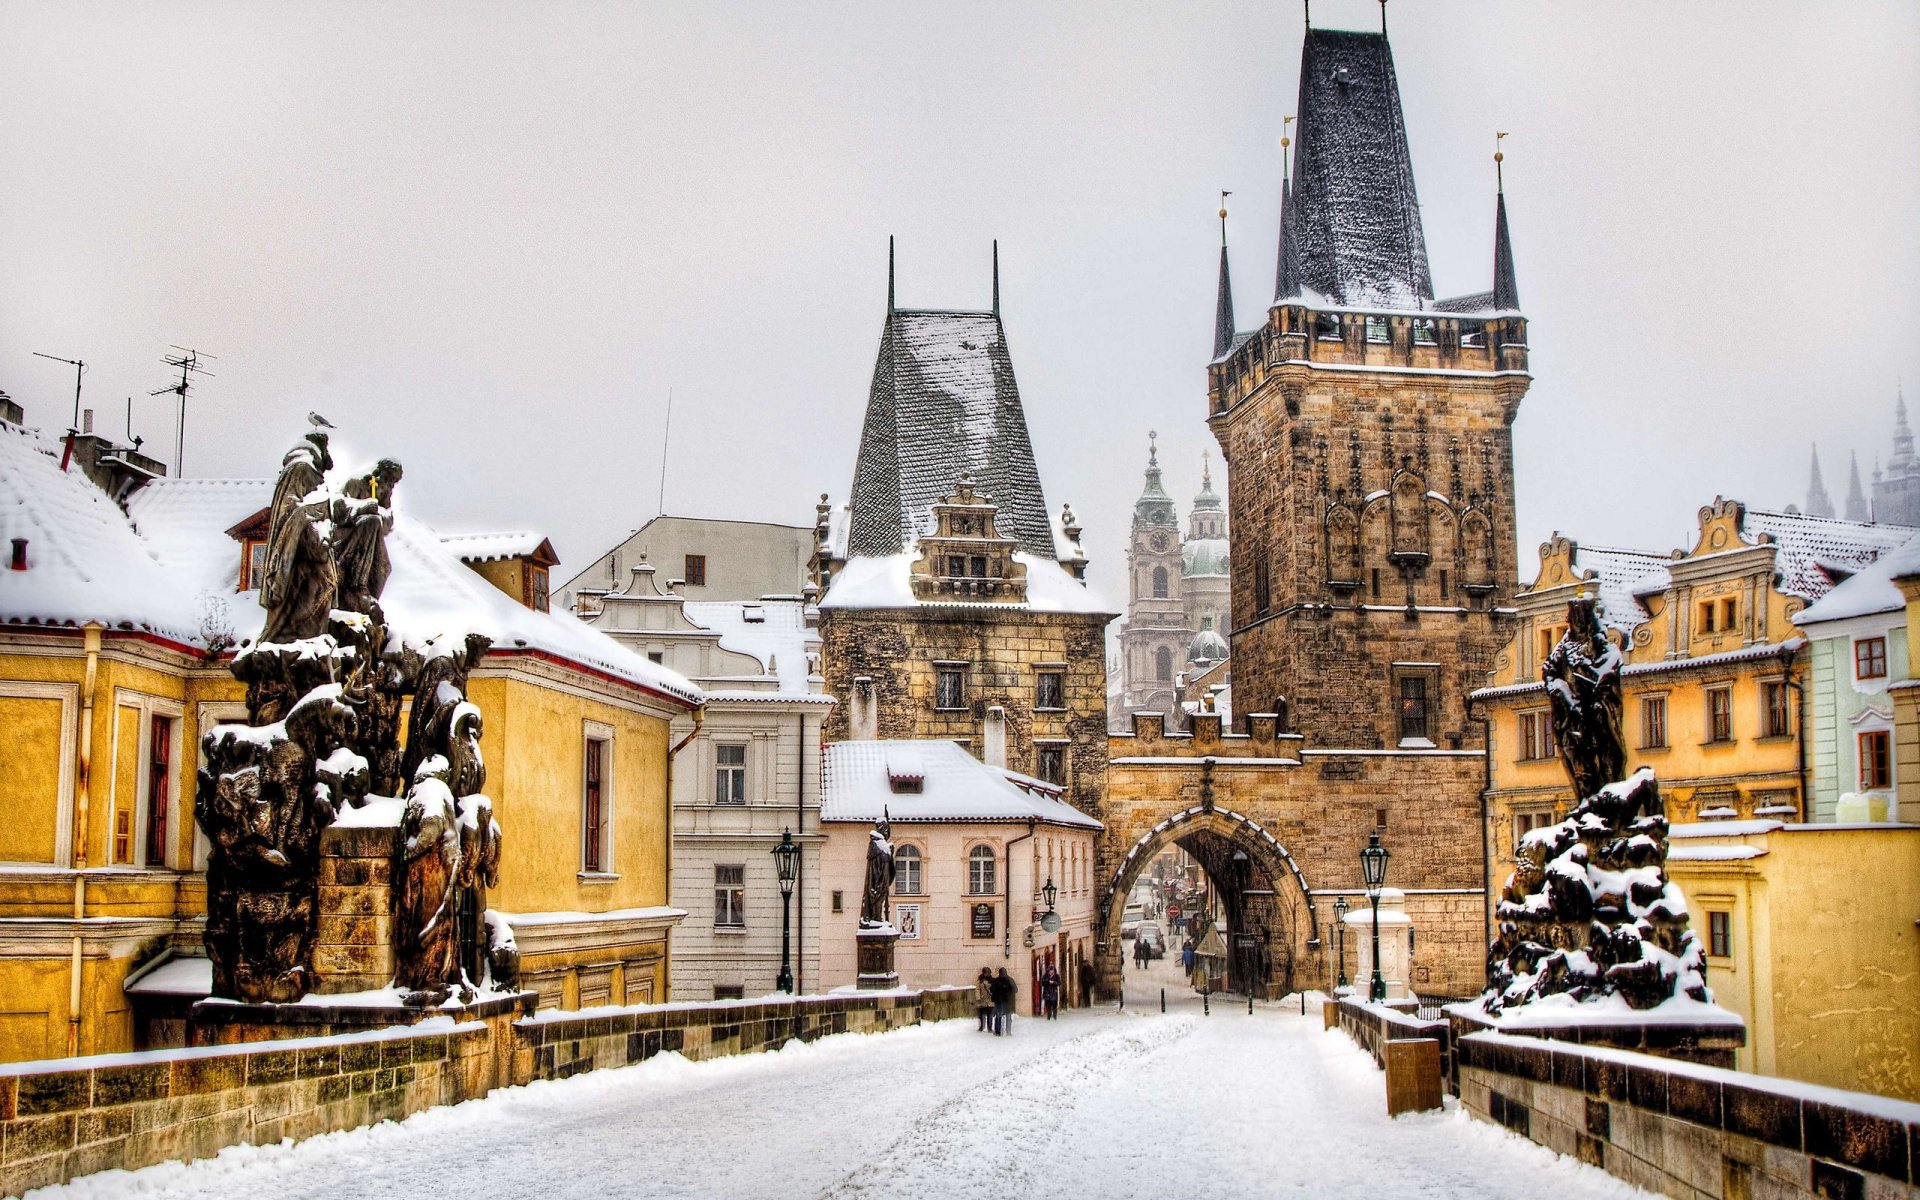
pixel 1367 432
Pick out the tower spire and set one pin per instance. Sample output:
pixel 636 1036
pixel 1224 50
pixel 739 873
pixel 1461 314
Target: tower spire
pixel 996 277
pixel 1901 463
pixel 1857 509
pixel 1286 279
pixel 1223 309
pixel 889 273
pixel 1506 288
pixel 1818 503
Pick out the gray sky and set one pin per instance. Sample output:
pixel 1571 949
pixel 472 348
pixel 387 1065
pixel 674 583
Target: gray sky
pixel 487 239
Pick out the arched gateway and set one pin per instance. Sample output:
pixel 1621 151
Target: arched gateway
pixel 1254 884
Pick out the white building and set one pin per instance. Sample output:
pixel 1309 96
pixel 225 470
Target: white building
pixel 745 774
pixel 701 559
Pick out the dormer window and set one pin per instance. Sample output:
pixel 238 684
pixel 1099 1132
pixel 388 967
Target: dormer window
pixel 536 581
pixel 253 564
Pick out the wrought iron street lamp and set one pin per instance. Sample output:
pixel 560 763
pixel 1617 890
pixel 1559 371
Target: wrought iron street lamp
pixel 1340 910
pixel 1373 870
pixel 786 861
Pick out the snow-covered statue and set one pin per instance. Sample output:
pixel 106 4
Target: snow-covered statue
pixel 327 682
pixel 1588 912
pixel 876 898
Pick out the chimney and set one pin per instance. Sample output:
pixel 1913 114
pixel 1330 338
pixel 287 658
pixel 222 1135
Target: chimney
pixel 19 562
pixel 993 750
pixel 86 421
pixel 863 723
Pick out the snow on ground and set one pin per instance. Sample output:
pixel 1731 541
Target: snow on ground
pixel 1102 1103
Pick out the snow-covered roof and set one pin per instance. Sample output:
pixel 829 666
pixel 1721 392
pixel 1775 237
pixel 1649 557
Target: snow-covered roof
pixel 1870 590
pixel 492 547
pixel 944 402
pixel 885 581
pixel 167 565
pixel 953 786
pixel 85 562
pixel 1805 543
pixel 1620 575
pixel 774 631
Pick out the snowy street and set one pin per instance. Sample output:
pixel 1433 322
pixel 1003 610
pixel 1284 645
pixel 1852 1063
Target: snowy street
pixel 1093 1104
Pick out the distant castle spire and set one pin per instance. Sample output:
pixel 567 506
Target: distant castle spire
pixel 1819 504
pixel 1857 509
pixel 1223 309
pixel 1902 462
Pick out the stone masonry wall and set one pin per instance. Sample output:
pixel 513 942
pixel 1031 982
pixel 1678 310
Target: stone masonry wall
pixel 353 951
pixel 897 649
pixel 1693 1131
pixel 61 1119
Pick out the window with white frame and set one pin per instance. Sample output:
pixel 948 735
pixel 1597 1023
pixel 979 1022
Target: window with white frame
pixel 729 774
pixel 907 871
pixel 983 873
pixel 730 896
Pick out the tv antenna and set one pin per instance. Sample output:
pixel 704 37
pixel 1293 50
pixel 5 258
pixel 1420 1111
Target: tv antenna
pixel 79 369
pixel 189 363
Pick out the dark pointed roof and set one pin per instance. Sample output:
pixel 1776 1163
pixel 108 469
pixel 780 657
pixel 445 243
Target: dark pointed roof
pixel 1223 308
pixel 1351 227
pixel 943 401
pixel 1506 289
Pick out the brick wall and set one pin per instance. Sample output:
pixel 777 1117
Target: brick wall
pixel 73 1117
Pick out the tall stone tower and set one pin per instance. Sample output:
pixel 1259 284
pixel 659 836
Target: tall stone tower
pixel 1896 493
pixel 1153 642
pixel 1366 427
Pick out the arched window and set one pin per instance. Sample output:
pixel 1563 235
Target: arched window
pixel 1159 583
pixel 1163 663
pixel 983 875
pixel 906 871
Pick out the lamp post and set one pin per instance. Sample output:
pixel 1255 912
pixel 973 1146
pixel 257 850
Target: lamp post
pixel 786 861
pixel 1340 910
pixel 1373 870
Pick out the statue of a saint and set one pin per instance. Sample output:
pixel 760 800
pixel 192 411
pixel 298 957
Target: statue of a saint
pixel 1582 674
pixel 298 589
pixel 362 516
pixel 874 901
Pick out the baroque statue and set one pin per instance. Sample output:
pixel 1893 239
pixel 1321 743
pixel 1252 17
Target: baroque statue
pixel 1588 912
pixel 327 682
pixel 875 898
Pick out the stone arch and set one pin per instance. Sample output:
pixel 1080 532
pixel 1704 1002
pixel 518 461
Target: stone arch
pixel 1237 829
pixel 1159 583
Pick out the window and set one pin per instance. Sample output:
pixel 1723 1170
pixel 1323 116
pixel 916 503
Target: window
pixel 977 566
pixel 1159 583
pixel 1870 658
pixel 593 831
pixel 1719 714
pixel 1377 330
pixel 1876 760
pixel 1550 636
pixel 1050 690
pixel 730 896
pixel 1262 595
pixel 956 565
pixel 729 991
pixel 656 656
pixel 159 787
pixel 950 687
pixel 1706 616
pixel 906 871
pixel 253 564
pixel 1779 717
pixel 1729 613
pixel 1720 934
pixel 696 572
pixel 983 877
pixel 537 588
pixel 1050 763
pixel 1536 735
pixel 729 774
pixel 1526 822
pixel 1413 707
pixel 1653 723
pixel 1163 663
pixel 839 900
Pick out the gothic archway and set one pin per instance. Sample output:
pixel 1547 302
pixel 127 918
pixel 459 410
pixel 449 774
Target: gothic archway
pixel 1277 922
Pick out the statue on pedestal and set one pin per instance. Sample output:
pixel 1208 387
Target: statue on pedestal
pixel 875 899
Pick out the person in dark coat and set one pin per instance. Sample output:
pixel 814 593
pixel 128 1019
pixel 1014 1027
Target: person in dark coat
pixel 1086 984
pixel 983 996
pixel 1004 990
pixel 1050 991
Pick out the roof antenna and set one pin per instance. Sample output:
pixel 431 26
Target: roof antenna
pixel 79 369
pixel 189 363
pixel 134 440
pixel 666 430
pixel 996 277
pixel 889 272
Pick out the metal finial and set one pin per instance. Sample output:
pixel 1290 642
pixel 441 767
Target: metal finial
pixel 996 277
pixel 889 272
pixel 1153 451
pixel 1285 141
pixel 1383 18
pixel 1223 217
pixel 1499 156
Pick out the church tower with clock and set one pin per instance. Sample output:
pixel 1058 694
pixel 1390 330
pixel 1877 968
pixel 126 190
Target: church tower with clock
pixel 1153 641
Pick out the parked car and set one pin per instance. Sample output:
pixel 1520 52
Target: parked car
pixel 1130 920
pixel 1149 935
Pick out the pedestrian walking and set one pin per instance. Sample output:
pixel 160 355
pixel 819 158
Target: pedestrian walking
pixel 1050 991
pixel 983 997
pixel 1086 984
pixel 1004 990
pixel 1187 955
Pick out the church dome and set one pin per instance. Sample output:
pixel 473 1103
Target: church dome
pixel 1206 647
pixel 1205 556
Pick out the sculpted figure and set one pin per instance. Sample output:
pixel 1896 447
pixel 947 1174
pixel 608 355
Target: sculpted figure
pixel 300 581
pixel 440 686
pixel 425 901
pixel 876 898
pixel 362 516
pixel 1582 675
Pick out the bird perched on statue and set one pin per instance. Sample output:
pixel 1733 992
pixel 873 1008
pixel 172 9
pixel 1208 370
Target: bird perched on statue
pixel 318 422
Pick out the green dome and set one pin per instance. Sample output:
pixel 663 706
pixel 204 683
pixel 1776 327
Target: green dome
pixel 1206 647
pixel 1203 556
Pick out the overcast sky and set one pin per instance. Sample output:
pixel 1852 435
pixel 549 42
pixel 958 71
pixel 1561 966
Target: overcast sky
pixel 488 239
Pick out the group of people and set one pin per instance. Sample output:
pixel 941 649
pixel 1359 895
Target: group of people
pixel 993 995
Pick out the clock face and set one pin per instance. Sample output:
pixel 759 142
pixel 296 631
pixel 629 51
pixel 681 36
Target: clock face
pixel 1159 543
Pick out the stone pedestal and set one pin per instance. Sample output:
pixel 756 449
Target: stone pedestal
pixel 1396 944
pixel 874 958
pixel 353 951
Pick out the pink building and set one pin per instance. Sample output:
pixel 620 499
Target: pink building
pixel 974 848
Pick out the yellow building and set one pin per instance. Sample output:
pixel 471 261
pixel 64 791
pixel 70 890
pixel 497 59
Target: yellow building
pixel 123 598
pixel 1809 928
